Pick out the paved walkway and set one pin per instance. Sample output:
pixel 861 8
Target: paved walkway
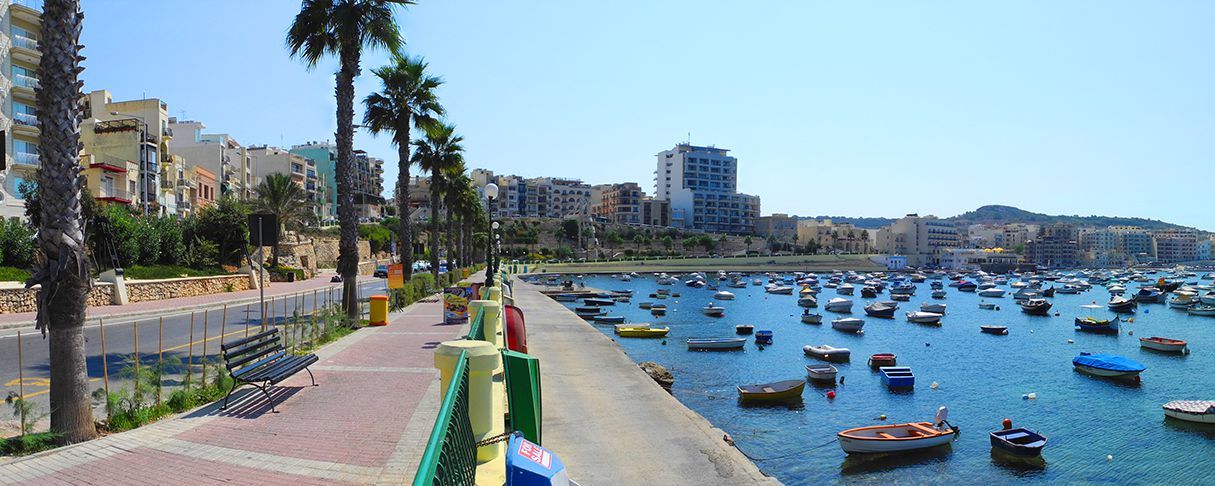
pixel 366 423
pixel 608 421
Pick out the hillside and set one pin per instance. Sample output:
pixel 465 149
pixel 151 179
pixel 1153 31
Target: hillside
pixel 996 214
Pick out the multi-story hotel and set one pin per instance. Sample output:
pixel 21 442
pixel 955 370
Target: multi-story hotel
pixel 1055 246
pixel 1176 245
pixel 702 185
pixel 19 57
pixel 324 157
pixel 920 239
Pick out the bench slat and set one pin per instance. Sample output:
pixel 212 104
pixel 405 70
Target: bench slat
pixel 243 372
pixel 238 353
pixel 254 337
pixel 283 369
pixel 254 356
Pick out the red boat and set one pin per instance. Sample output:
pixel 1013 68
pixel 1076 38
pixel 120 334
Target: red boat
pixel 882 359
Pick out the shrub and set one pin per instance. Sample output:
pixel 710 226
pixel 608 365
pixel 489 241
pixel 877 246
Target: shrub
pixel 225 225
pixel 377 236
pixel 17 244
pixel 201 254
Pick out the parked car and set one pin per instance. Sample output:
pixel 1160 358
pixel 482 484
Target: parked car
pixel 381 271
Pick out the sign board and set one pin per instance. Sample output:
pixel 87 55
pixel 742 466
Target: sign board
pixel 263 229
pixel 455 304
pixel 396 276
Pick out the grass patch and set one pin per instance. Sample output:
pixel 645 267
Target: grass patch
pixel 154 272
pixel 28 444
pixel 13 274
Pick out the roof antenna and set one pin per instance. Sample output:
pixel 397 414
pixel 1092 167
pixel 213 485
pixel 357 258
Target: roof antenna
pixel 689 138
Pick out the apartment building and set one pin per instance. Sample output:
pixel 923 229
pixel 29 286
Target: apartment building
pixel 833 237
pixel 701 183
pixel 368 185
pixel 1055 246
pixel 655 212
pixel 1176 245
pixel 19 57
pixel 218 153
pixel 778 225
pixel 123 145
pixel 920 239
pixel 268 160
pixel 324 157
pixel 203 191
pixel 617 203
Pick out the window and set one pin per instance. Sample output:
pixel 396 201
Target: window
pixel 107 186
pixel 24 147
pixel 17 182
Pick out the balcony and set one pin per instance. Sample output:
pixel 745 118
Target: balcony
pixel 28 10
pixel 25 158
pixel 25 122
pixel 25 81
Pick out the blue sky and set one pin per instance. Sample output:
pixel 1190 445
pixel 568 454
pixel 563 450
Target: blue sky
pixel 844 108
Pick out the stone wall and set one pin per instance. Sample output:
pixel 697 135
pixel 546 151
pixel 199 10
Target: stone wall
pixel 14 300
pixel 326 250
pixel 146 290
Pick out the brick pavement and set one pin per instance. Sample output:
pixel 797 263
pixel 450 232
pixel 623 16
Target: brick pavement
pixel 366 423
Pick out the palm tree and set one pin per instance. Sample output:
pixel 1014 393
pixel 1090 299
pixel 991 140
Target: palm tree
pixel 344 28
pixel 63 272
pixel 455 184
pixel 440 149
pixel 279 195
pixel 407 100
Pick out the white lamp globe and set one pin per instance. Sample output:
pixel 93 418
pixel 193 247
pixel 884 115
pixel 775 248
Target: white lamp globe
pixel 491 190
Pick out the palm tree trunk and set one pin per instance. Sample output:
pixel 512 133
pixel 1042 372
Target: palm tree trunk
pixel 348 242
pixel 405 231
pixel 451 249
pixel 434 222
pixel 63 273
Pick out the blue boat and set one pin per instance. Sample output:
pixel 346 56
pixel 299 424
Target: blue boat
pixel 1108 365
pixel 1019 441
pixel 897 377
pixel 763 337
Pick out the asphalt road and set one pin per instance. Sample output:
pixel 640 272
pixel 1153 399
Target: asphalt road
pixel 209 329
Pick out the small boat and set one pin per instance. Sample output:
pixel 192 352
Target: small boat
pixel 931 307
pixel 763 336
pixel 1182 299
pixel 938 294
pixel 744 329
pixel 1108 365
pixel 645 305
pixel 588 308
pixel 921 317
pixel 848 324
pixel 900 297
pixel 565 298
pixel 716 343
pixel 780 290
pixel 1018 442
pixel 881 309
pixel 724 295
pixel 1093 324
pixel 839 304
pixel 1036 307
pixel 827 353
pixel 608 319
pixel 1001 330
pixel 882 359
pixel 846 289
pixel 637 331
pixel 807 301
pixel 1207 298
pixel 1148 295
pixel 1122 304
pixel 897 376
pixel 598 302
pixel 1201 411
pixel 821 372
pixel 992 292
pixel 967 286
pixel 658 309
pixel 1164 344
pixel 623 298
pixel 908 289
pixel 868 292
pixel 772 392
pixel 713 310
pixel 808 318
pixel 1201 310
pixel 899 437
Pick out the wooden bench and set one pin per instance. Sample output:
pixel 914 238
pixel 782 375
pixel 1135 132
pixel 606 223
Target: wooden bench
pixel 260 360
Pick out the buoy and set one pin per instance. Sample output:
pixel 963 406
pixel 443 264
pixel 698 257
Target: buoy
pixel 664 342
pixel 1024 396
pixel 1109 457
pixel 882 417
pixel 831 394
pixel 1131 320
pixel 1130 333
pixel 1145 311
pixel 1033 395
pixel 1031 331
pixel 1007 423
pixel 934 385
pixel 1069 341
pixel 928 344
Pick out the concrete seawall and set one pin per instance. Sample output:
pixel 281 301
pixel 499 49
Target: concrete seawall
pixel 608 420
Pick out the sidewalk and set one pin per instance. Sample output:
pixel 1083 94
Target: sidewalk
pixel 366 423
pixel 186 304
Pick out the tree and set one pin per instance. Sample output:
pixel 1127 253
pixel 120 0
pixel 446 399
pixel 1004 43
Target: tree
pixel 569 229
pixel 668 242
pixel 639 239
pixel 407 100
pixel 440 149
pixel 63 272
pixel 455 184
pixel 277 194
pixel 747 241
pixel 344 28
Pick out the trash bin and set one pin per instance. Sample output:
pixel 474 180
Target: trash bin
pixel 379 311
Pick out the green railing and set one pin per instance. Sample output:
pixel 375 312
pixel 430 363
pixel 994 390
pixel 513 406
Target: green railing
pixel 451 452
pixel 476 330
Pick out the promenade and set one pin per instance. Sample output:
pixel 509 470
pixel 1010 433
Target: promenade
pixel 367 423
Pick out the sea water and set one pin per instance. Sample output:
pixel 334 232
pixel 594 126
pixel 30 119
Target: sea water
pixel 1099 430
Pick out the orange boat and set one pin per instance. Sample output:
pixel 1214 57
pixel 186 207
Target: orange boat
pixel 1164 344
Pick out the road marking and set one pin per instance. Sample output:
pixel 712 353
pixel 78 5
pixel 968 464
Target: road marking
pixel 30 382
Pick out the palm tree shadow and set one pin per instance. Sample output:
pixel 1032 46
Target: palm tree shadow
pixel 248 403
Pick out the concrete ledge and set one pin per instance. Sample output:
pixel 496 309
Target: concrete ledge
pixel 608 420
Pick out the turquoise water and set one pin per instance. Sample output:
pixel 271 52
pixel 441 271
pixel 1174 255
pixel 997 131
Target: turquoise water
pixel 981 378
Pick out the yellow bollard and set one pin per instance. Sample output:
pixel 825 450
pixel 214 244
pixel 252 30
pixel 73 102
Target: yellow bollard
pixel 494 293
pixel 491 323
pixel 379 311
pixel 483 359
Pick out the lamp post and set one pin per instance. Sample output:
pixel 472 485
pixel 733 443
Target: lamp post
pixel 491 194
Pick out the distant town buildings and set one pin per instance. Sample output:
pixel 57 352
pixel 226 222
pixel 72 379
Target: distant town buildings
pixel 972 259
pixel 779 225
pixel 303 171
pixel 920 239
pixel 1055 246
pixel 617 203
pixel 701 184
pixel 552 197
pixel 828 236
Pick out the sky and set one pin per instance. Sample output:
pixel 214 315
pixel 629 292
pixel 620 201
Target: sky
pixel 832 108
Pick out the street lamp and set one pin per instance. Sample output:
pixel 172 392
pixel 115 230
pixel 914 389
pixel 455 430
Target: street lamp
pixel 491 194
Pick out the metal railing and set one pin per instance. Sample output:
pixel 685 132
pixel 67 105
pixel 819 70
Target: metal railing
pixel 33 4
pixel 451 452
pixel 26 158
pixel 25 81
pixel 476 327
pixel 26 119
pixel 25 42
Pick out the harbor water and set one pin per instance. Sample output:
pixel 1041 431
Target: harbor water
pixel 1100 430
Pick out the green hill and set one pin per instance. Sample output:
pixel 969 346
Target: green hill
pixel 996 214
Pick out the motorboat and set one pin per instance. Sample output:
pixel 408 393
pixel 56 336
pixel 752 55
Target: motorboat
pixel 713 310
pixel 921 317
pixel 827 353
pixel 737 284
pixel 589 311
pixel 899 437
pixel 839 304
pixel 1068 289
pixel 780 290
pixel 744 329
pixel 565 297
pixel 900 297
pixel 1207 298
pixel 1201 310
pixel 936 285
pixel 757 282
pixel 933 307
pixel 638 331
pixel 608 319
pixel 658 309
pixel 1108 365
pixel 987 306
pixel 881 309
pixel 808 318
pixel 1148 295
pixel 848 324
pixel 1018 442
pixel 807 301
pixel 1036 307
pixel 763 336
pixel 598 302
pixel 879 360
pixel 723 295
pixel 1093 324
pixel 908 289
pixel 1122 304
pixel 868 292
pixel 1164 344
pixel 1026 294
pixel 967 286
pixel 821 372
pixel 938 294
pixel 645 305
pixel 846 289
pixel 715 343
pixel 1201 411
pixel 1182 299
pixel 772 392
pixel 992 292
pixel 988 329
pixel 897 376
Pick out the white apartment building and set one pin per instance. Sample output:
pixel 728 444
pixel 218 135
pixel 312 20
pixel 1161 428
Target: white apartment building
pixel 20 24
pixel 701 184
pixel 218 153
pixel 920 239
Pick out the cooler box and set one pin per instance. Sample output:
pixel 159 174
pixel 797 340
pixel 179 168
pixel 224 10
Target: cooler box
pixel 528 464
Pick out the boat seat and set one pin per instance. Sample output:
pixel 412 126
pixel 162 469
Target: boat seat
pixel 1035 444
pixel 1015 436
pixel 886 436
pixel 924 429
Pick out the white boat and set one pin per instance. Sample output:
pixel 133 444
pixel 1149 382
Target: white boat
pixel 716 343
pixel 845 289
pixel 821 372
pixel 713 310
pixel 812 318
pixel 1201 411
pixel 987 306
pixel 1201 310
pixel 757 282
pixel 848 324
pixel 839 304
pixel 939 294
pixel 1208 298
pixel 807 301
pixel 780 290
pixel 724 295
pixel 1167 345
pixel 922 317
pixel 827 353
pixel 899 437
pixel 933 307
pixel 992 292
